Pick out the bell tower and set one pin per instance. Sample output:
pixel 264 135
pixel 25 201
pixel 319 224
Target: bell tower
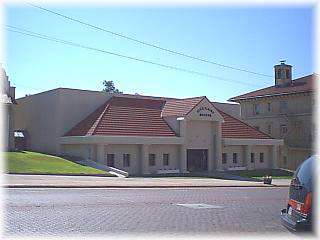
pixel 283 74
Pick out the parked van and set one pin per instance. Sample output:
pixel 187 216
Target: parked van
pixel 297 216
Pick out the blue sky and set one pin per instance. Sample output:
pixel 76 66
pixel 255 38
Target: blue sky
pixel 254 38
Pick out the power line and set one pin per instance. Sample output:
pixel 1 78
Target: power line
pixel 61 41
pixel 148 44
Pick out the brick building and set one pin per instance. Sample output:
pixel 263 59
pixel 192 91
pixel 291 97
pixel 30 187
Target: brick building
pixel 284 111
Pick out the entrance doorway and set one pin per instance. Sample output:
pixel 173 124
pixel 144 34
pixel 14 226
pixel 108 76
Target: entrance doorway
pixel 197 160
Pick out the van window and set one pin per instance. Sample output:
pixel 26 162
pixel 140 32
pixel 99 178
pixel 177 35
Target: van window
pixel 304 173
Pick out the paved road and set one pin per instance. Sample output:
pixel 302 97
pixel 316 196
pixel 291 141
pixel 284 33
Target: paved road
pixel 105 211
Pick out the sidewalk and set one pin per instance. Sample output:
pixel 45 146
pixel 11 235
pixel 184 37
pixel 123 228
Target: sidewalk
pixel 47 181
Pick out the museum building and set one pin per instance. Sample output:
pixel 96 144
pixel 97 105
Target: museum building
pixel 142 134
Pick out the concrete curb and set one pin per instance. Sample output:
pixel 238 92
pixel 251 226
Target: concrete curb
pixel 133 186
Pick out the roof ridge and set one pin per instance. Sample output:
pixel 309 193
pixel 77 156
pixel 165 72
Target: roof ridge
pixel 97 122
pixel 182 99
pixel 140 98
pixel 233 98
pixel 285 90
pixel 244 123
pixel 312 74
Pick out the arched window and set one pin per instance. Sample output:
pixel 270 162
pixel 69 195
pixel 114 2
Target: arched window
pixel 279 73
pixel 287 73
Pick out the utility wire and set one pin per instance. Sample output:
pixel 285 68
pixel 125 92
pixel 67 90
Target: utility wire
pixel 148 44
pixel 61 41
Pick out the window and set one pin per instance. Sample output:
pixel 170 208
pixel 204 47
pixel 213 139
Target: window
pixel 279 73
pixel 252 157
pixel 269 107
pixel 287 73
pixel 165 159
pixel 152 159
pixel 89 153
pixel 298 128
pixel 110 160
pixel 126 160
pixel 261 157
pixel 256 109
pixel 224 158
pixel 269 128
pixel 235 158
pixel 283 130
pixel 283 106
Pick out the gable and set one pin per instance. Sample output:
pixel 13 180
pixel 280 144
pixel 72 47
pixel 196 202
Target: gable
pixel 204 111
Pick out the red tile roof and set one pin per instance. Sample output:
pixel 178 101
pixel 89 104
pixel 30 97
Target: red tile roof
pixel 125 116
pixel 129 116
pixel 180 107
pixel 234 128
pixel 303 84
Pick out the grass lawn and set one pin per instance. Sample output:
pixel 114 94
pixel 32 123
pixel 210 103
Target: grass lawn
pixel 259 174
pixel 32 162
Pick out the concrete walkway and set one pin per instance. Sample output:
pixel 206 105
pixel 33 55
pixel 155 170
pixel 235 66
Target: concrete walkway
pixel 21 181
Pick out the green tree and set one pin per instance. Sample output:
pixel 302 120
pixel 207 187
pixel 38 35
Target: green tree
pixel 109 87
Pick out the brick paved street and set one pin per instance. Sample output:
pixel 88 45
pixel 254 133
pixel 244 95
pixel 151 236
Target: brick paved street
pixel 103 211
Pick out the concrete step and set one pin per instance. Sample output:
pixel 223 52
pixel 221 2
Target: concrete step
pixel 112 170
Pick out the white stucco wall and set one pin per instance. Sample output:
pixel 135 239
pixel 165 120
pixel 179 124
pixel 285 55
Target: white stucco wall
pixel 48 115
pixel 118 151
pixel 38 115
pixel 229 150
pixel 80 151
pixel 159 150
pixel 242 157
pixel 198 134
pixel 267 157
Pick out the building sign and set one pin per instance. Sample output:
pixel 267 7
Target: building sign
pixel 205 112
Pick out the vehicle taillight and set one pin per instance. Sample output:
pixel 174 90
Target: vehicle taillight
pixel 306 206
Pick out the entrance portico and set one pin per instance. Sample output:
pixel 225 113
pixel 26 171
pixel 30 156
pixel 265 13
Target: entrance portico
pixel 200 128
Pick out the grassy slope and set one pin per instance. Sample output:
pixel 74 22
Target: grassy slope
pixel 32 162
